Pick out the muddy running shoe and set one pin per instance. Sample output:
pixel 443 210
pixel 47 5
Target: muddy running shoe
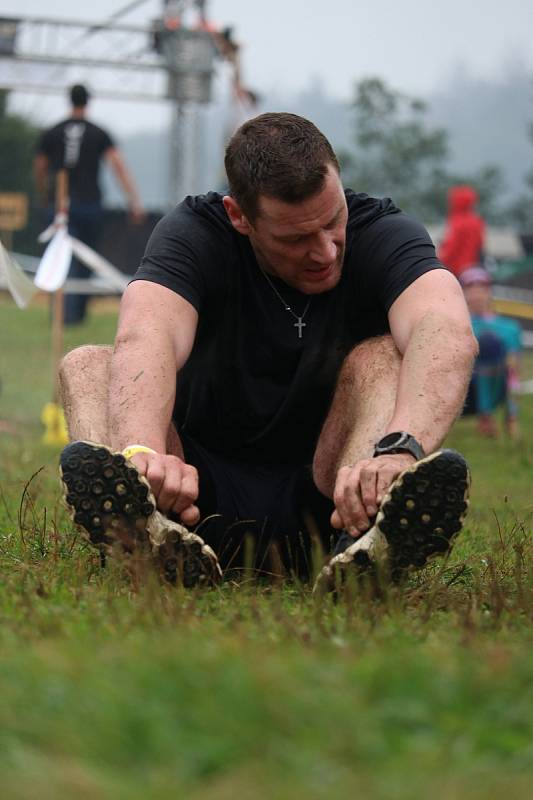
pixel 418 519
pixel 114 506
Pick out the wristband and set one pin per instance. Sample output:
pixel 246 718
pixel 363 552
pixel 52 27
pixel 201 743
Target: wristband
pixel 132 449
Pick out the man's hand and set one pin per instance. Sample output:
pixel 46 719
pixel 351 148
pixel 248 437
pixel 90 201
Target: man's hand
pixel 137 213
pixel 173 482
pixel 360 488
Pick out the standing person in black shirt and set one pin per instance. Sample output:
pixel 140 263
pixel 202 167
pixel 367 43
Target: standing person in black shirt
pixel 80 146
pixel 289 357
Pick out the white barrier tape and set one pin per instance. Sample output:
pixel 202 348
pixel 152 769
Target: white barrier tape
pixel 89 286
pixel 100 265
pixel 20 286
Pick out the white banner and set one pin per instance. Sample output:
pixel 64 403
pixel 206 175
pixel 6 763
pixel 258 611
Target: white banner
pixel 54 265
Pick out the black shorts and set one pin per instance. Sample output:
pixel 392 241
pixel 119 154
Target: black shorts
pixel 270 516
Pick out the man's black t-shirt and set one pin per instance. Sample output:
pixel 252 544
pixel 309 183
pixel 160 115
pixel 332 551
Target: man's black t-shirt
pixel 251 389
pixel 78 145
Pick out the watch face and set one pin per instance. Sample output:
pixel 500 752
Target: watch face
pixel 392 439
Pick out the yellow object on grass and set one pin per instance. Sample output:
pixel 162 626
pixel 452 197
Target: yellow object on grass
pixel 53 419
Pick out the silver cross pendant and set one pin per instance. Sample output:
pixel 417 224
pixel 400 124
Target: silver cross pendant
pixel 300 325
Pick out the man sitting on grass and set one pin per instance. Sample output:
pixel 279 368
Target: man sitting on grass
pixel 288 359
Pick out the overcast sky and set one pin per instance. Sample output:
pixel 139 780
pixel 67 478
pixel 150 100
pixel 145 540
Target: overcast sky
pixel 415 46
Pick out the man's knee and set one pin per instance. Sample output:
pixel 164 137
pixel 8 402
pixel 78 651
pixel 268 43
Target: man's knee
pixel 83 386
pixel 378 354
pixel 85 356
pixel 83 362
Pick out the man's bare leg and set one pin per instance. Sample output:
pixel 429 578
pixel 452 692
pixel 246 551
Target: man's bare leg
pixel 362 406
pixel 105 496
pixel 84 383
pixel 424 507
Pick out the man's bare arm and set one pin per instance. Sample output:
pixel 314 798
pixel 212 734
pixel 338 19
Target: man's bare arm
pixel 154 339
pixel 430 325
pixel 40 176
pixel 431 328
pixel 116 162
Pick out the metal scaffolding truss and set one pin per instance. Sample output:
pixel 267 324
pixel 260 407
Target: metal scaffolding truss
pixel 121 59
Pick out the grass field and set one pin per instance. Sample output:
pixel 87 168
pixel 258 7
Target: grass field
pixel 115 690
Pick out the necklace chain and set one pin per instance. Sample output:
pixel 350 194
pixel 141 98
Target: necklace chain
pixel 298 317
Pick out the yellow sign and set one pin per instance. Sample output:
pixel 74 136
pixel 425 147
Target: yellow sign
pixel 513 308
pixel 13 211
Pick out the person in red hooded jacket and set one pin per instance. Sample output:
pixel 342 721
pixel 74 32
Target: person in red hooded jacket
pixel 464 238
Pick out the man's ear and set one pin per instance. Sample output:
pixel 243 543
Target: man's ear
pixel 236 216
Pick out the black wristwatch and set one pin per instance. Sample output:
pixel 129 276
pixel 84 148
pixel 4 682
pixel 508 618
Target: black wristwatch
pixel 399 442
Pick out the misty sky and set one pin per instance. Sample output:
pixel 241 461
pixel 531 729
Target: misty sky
pixel 286 44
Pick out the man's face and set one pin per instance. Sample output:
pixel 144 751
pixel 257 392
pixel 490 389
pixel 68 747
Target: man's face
pixel 302 243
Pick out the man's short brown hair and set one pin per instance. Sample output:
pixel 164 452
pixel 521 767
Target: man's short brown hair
pixel 278 155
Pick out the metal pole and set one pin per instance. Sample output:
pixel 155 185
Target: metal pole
pixel 176 187
pixel 197 155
